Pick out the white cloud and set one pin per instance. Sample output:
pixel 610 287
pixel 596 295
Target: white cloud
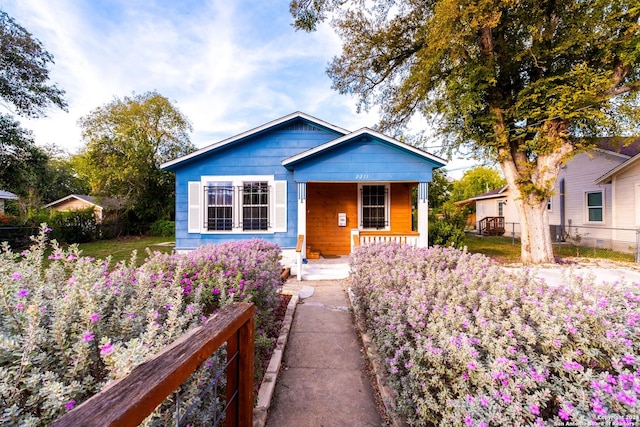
pixel 228 66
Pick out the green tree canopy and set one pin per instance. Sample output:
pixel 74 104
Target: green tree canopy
pixel 126 141
pixel 23 71
pixel 515 81
pixel 476 181
pixel 21 161
pixel 439 188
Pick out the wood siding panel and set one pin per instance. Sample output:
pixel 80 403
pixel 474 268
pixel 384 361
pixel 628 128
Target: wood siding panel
pixel 324 202
pixel 627 203
pixel 401 207
pixel 580 174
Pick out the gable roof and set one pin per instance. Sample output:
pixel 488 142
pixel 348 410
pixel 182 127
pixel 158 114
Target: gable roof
pixel 626 146
pixel 253 132
pixel 606 178
pixel 102 202
pixel 6 195
pixel 305 155
pixel 493 194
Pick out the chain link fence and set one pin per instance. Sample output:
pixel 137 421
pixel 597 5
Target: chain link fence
pixel 589 241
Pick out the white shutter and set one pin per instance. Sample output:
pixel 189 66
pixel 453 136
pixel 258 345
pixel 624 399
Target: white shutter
pixel 194 216
pixel 279 203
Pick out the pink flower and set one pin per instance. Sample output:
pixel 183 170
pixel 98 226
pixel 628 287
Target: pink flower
pixel 628 359
pixel 106 349
pixel 95 317
pixel 19 306
pixel 535 409
pixel 472 366
pixel 88 337
pixel 70 405
pixel 564 414
pixel 22 293
pixel 16 276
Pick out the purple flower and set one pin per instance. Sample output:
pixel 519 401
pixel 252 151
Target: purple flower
pixel 22 293
pixel 88 337
pixel 535 409
pixel 95 317
pixel 19 306
pixel 597 407
pixel 472 366
pixel 468 420
pixel 106 349
pixel 216 291
pixel 16 276
pixel 564 414
pixel 628 359
pixel 627 399
pixel 70 405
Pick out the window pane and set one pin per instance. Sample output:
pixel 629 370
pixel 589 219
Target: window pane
pixel 373 206
pixel 594 199
pixel 255 206
pixel 595 214
pixel 219 206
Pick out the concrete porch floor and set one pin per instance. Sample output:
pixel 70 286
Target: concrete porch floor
pixel 334 268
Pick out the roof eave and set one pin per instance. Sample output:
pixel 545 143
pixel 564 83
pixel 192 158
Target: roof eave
pixel 607 177
pixel 291 161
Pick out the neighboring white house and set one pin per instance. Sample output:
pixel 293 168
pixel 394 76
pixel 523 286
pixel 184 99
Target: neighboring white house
pixel 596 198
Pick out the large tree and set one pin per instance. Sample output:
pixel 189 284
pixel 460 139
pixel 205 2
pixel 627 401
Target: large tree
pixel 24 74
pixel 126 141
pixel 517 81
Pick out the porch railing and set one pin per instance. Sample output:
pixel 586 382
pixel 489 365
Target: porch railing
pixel 359 238
pixel 130 400
pixel 491 226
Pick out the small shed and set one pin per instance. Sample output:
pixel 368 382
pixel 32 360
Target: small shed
pixel 6 195
pixel 100 205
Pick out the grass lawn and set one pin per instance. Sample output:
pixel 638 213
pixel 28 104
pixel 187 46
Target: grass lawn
pixel 503 250
pixel 120 249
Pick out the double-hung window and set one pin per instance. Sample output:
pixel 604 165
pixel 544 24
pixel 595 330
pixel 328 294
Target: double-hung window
pixel 255 205
pixel 237 204
pixel 595 206
pixel 374 206
pixel 219 196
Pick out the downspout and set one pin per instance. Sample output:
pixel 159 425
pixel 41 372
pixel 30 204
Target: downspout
pixel 562 213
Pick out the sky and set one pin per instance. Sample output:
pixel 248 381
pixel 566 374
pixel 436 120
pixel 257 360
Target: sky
pixel 228 65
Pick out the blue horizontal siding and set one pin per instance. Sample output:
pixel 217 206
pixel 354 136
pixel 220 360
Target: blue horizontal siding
pixel 364 160
pixel 258 155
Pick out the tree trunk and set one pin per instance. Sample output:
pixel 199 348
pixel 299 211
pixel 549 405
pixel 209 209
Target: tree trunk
pixel 535 236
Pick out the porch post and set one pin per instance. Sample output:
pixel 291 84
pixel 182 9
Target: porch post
pixel 423 214
pixel 302 224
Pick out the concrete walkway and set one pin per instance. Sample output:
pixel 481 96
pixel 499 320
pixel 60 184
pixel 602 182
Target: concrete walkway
pixel 322 381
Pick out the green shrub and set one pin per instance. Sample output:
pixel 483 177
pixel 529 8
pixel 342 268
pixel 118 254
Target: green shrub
pixel 467 344
pixel 77 226
pixel 71 325
pixel 163 228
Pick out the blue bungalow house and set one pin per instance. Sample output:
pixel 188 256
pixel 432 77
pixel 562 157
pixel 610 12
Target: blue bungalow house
pixel 299 178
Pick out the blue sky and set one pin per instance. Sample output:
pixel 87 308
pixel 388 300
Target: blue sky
pixel 227 65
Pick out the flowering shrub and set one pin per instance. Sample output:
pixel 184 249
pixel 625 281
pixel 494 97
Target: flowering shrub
pixel 466 343
pixel 71 326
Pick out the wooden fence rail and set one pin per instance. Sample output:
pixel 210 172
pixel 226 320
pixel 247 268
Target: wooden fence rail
pixel 130 400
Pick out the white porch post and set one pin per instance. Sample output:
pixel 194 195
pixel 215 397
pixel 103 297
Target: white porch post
pixel 302 225
pixel 423 214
